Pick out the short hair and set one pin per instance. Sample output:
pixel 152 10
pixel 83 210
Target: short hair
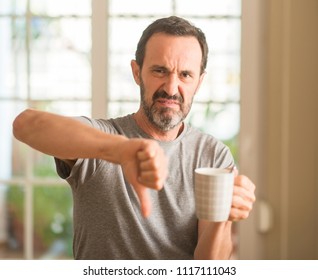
pixel 175 26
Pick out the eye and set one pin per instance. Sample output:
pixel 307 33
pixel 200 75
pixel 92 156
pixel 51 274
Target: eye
pixel 159 72
pixel 186 75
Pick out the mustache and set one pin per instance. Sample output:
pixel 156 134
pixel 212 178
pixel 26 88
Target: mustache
pixel 163 94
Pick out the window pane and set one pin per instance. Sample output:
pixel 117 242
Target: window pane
pixel 60 58
pixel 53 227
pixel 223 35
pixel 208 7
pixel 12 152
pixel 11 221
pixel 20 154
pixel 44 166
pixel 61 7
pixel 222 120
pixel 122 45
pixel 140 7
pixel 120 40
pixel 13 77
pixel 66 108
pixel 121 82
pixel 12 7
pixel 122 108
pixel 218 119
pixel 222 82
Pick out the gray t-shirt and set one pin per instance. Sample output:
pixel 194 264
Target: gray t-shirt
pixel 107 219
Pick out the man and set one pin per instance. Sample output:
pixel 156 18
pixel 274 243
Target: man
pixel 143 160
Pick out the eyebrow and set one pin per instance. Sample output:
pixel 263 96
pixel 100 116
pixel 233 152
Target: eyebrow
pixel 154 67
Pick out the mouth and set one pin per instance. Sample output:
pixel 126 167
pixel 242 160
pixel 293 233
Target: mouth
pixel 168 103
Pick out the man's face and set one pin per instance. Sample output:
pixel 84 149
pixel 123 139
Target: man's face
pixel 169 79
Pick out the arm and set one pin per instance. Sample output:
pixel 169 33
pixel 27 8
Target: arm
pixel 63 137
pixel 215 239
pixel 143 161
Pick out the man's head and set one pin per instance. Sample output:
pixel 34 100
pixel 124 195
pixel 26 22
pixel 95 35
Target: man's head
pixel 169 68
pixel 174 26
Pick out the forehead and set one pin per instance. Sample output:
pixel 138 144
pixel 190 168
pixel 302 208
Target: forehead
pixel 172 51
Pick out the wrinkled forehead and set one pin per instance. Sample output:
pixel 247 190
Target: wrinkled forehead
pixel 164 49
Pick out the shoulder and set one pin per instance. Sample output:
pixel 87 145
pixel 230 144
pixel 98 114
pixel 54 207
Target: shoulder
pixel 113 125
pixel 207 145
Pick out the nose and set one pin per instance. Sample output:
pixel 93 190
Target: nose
pixel 171 85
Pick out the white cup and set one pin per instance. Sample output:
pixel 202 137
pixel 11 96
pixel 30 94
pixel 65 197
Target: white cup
pixel 213 193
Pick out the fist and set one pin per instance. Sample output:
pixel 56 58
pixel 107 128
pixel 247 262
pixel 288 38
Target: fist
pixel 145 166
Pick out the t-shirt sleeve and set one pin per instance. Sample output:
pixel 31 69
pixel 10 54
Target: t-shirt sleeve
pixel 224 158
pixel 62 168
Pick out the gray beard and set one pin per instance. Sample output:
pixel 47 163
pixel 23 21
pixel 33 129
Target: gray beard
pixel 161 118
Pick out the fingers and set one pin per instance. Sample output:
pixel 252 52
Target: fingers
pixel 237 214
pixel 145 166
pixel 241 202
pixel 144 199
pixel 152 165
pixel 244 182
pixel 246 194
pixel 243 198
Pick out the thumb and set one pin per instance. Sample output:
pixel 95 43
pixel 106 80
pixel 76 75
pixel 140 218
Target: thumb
pixel 144 200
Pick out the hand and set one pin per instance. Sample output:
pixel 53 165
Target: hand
pixel 243 198
pixel 145 166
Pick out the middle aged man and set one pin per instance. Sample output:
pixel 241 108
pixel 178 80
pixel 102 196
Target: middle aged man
pixel 145 159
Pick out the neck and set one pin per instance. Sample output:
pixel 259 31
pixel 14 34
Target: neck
pixel 156 133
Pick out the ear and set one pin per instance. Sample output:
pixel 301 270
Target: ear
pixel 201 78
pixel 135 68
pixel 200 81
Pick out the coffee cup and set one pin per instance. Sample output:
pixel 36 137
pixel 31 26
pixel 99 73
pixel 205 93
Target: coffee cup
pixel 213 193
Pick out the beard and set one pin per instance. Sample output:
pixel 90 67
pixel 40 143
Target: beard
pixel 164 119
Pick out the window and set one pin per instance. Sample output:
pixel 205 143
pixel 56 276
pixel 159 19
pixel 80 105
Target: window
pixel 45 64
pixel 48 61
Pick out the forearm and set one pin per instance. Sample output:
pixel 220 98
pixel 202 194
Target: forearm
pixel 215 241
pixel 64 137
